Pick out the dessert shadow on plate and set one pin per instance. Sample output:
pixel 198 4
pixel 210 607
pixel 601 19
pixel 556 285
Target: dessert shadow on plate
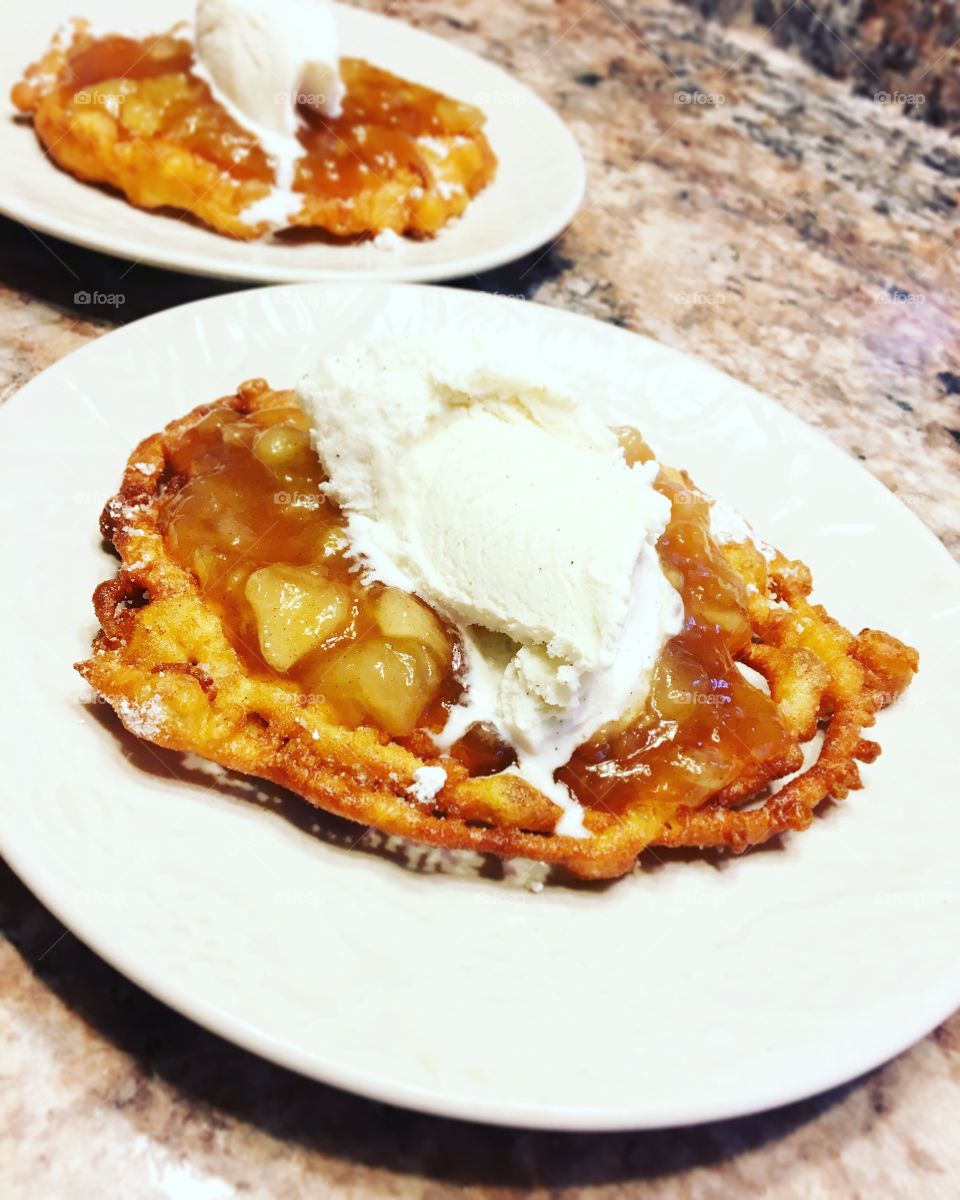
pixel 346 835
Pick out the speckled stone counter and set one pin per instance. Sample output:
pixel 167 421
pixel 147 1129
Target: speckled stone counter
pixel 904 51
pixel 739 206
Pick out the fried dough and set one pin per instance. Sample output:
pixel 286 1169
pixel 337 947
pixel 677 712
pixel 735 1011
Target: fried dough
pixel 133 115
pixel 163 660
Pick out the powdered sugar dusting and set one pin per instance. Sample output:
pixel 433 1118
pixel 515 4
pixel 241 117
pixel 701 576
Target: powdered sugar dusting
pixel 726 525
pixel 427 781
pixel 122 513
pixel 387 239
pixel 144 718
pixel 435 146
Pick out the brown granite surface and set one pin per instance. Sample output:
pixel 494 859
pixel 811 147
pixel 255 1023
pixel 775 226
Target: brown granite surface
pixel 743 207
pixel 905 52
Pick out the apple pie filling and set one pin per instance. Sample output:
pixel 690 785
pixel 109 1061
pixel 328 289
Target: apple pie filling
pixel 248 517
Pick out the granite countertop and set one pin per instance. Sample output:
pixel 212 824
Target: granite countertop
pixel 742 207
pixel 886 47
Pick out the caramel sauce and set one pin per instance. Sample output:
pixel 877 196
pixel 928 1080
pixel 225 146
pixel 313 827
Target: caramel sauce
pixel 703 722
pixel 376 132
pixel 161 96
pixel 117 57
pixel 241 514
pixel 236 513
pixel 375 135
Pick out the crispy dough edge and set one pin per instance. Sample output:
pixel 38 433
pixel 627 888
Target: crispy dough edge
pixel 262 727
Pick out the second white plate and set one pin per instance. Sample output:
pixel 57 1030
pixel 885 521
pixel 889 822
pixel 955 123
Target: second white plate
pixel 537 190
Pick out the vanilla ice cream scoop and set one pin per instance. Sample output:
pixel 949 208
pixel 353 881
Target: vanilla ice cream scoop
pixel 509 508
pixel 262 55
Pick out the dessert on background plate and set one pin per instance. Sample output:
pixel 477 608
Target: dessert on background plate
pixel 251 122
pixel 432 592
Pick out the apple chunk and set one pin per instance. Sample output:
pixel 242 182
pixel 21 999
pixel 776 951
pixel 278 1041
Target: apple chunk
pixel 296 609
pixel 390 685
pixel 401 615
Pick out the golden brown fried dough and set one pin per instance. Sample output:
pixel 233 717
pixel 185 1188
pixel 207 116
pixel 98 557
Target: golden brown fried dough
pixel 132 114
pixel 164 662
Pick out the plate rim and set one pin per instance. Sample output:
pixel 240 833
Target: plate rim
pixel 940 1003
pixel 504 1114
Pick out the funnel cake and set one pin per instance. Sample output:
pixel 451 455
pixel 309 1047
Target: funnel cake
pixel 134 115
pixel 237 628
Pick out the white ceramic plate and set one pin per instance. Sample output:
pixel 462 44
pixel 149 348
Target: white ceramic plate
pixel 678 994
pixel 537 190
